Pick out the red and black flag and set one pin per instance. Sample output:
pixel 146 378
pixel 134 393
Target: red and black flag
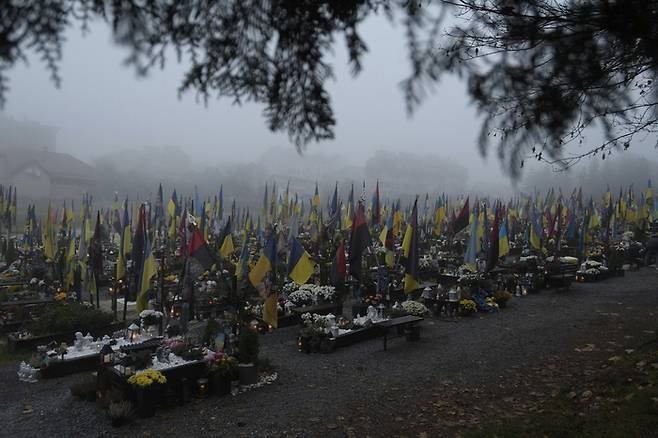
pixel 338 267
pixel 461 221
pixel 359 240
pixel 199 251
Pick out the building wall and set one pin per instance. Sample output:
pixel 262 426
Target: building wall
pixel 32 183
pixel 66 190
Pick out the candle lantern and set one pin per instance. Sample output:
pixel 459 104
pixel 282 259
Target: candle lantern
pixel 132 333
pixel 202 387
pixel 107 355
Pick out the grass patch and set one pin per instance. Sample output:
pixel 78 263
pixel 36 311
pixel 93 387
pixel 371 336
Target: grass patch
pixel 623 403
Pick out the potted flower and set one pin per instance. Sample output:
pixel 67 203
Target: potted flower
pixel 146 384
pixel 222 369
pixel 248 356
pixel 502 297
pixel 467 307
pixel 151 319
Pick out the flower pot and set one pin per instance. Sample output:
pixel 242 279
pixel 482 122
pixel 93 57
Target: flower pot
pixel 145 401
pixel 502 303
pixel 221 385
pixel 248 374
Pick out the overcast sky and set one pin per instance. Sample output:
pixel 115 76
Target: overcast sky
pixel 102 105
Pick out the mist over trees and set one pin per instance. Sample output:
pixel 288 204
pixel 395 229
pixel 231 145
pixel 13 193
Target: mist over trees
pixel 540 72
pixel 137 173
pixel 595 176
pixel 402 175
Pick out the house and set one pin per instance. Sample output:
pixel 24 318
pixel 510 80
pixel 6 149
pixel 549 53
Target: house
pixel 42 175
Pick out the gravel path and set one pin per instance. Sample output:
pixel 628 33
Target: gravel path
pixel 361 389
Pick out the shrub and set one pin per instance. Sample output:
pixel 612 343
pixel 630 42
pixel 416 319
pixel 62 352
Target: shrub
pixel 248 346
pixel 120 412
pixel 69 318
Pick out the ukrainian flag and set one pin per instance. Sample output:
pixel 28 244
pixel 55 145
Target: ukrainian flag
pixel 503 240
pixel 149 269
pixel 300 265
pixel 266 262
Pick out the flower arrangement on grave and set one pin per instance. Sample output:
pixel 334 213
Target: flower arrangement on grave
pixel 308 294
pixel 502 297
pixel 425 262
pixel 316 329
pixel 60 296
pixel 415 308
pixel 372 300
pixel 173 278
pixel 146 378
pixel 470 278
pixel 467 307
pixel 150 317
pixel 223 365
pixel 491 303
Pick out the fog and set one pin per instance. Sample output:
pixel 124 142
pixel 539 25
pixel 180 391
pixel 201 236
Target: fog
pixel 137 131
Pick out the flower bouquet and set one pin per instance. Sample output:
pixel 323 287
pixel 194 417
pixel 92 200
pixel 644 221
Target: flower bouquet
pixel 146 384
pixel 414 308
pixel 222 369
pixel 502 297
pixel 467 307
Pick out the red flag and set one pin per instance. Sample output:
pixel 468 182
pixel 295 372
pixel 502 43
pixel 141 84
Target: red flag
pixel 338 267
pixel 360 240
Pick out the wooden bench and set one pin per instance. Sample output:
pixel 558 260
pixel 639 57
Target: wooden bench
pixel 397 327
pixel 560 276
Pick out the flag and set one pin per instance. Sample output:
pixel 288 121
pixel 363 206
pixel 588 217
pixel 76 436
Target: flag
pixel 503 239
pixel 338 268
pixel 411 271
pixel 472 249
pixel 461 221
pixel 242 267
pixel 375 205
pixel 149 269
pixel 300 265
pixel 535 231
pixel 138 246
pixel 315 202
pixel 199 251
pixel 266 262
pixel 386 238
pixel 226 240
pixel 96 248
pixel 493 241
pixel 359 241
